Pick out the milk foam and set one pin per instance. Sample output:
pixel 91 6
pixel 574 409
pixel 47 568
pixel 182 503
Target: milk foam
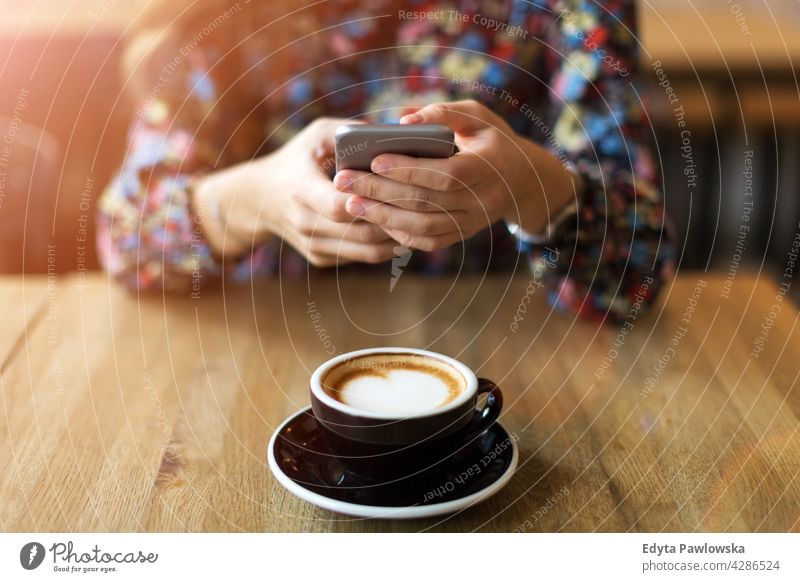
pixel 397 384
pixel 401 392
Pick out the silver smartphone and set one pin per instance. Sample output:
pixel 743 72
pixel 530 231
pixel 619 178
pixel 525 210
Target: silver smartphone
pixel 357 145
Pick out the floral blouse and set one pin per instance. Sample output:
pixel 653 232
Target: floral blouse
pixel 561 73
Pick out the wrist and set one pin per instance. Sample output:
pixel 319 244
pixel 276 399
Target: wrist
pixel 222 202
pixel 244 204
pixel 545 191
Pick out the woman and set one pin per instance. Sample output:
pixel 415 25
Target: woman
pixel 230 155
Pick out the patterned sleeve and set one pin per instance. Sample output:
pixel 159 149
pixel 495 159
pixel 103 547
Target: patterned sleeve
pixel 148 237
pixel 614 256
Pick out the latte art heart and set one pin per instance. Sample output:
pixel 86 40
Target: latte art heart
pixel 400 384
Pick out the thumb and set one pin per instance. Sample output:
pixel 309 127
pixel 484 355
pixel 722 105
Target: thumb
pixel 463 117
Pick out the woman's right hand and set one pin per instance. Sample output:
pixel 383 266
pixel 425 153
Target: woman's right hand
pixel 289 194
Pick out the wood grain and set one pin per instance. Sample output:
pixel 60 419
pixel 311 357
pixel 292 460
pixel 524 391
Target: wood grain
pixel 153 414
pixel 23 300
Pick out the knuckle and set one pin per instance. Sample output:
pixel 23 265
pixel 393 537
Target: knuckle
pixel 426 225
pixel 364 233
pixel 424 243
pixel 421 200
pixel 402 174
pixel 418 204
pixel 496 138
pixel 401 238
pixel 305 228
pixel 448 182
pixel 369 187
pixel 315 259
pixel 405 175
pixel 299 221
pixel 408 240
pixel 320 260
pixel 374 255
pixel 393 250
pixel 440 109
pixel 375 234
pixel 336 209
pixel 314 245
pixel 377 214
pixel 359 233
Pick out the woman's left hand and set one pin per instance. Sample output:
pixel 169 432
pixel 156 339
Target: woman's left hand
pixel 428 204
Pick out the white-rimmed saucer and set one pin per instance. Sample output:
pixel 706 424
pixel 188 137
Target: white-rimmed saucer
pixel 505 457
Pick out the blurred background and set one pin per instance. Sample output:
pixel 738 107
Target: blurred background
pixel 730 64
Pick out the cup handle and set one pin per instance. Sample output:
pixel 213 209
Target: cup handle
pixel 486 416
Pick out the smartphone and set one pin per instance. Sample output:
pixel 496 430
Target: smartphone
pixel 357 145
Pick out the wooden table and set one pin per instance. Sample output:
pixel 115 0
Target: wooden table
pixel 126 413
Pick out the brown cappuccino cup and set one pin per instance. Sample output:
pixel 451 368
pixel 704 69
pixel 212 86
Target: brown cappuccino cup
pixel 401 396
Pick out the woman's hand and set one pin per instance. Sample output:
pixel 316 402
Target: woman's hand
pixel 429 204
pixel 289 194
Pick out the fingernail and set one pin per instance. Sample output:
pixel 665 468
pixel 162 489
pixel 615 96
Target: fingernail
pixel 412 118
pixel 355 208
pixel 380 165
pixel 344 183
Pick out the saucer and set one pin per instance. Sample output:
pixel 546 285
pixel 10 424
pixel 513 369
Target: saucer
pixel 302 461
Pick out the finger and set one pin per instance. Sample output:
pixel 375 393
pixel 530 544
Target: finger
pixel 309 223
pixel 322 260
pixel 398 194
pixel 323 199
pixel 346 250
pixel 451 174
pixel 462 116
pixel 355 231
pixel 324 129
pixel 326 126
pixel 425 243
pixel 420 223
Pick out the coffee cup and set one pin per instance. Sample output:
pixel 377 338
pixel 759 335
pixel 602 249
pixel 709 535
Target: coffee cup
pixel 401 396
